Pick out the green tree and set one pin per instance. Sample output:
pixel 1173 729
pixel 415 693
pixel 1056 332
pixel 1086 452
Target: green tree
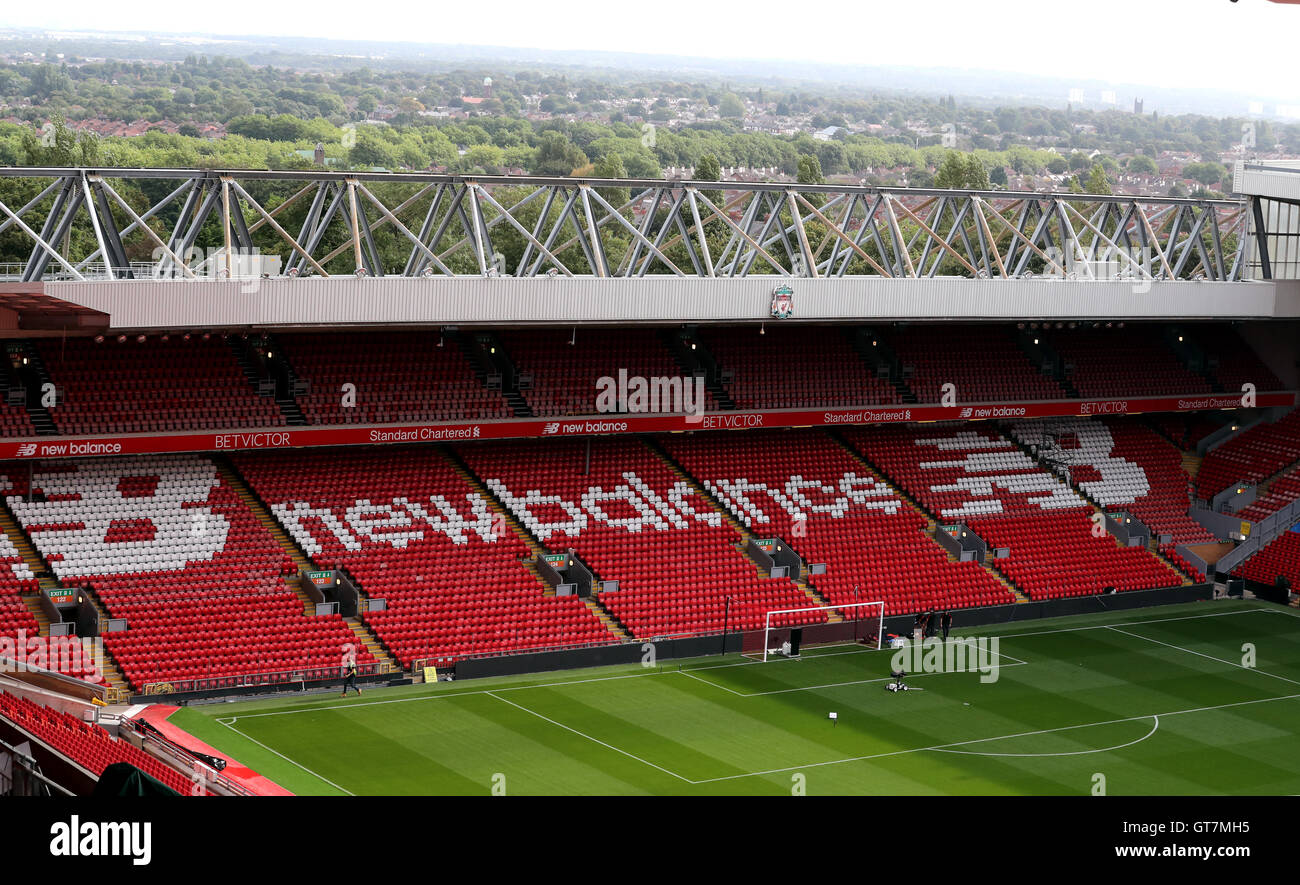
pixel 952 171
pixel 55 144
pixel 810 170
pixel 707 168
pixel 611 166
pixel 1142 165
pixel 487 157
pixel 731 106
pixel 556 155
pixel 977 177
pixel 1097 182
pixel 371 150
pixel 1208 174
pixel 47 79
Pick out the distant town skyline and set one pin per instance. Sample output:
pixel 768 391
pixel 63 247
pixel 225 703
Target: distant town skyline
pixel 1244 47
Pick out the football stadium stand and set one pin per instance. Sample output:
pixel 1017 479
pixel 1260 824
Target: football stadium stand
pixel 396 376
pixel 632 518
pixel 1284 490
pixel 565 375
pixel 985 480
pixel 410 528
pixel 984 362
pixel 201 555
pixel 89 746
pixel 1122 362
pixel 808 490
pixel 1124 466
pixel 1281 557
pixel 1252 455
pixel 167 544
pixel 113 387
pixel 761 373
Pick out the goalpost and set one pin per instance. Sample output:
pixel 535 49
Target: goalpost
pixel 856 623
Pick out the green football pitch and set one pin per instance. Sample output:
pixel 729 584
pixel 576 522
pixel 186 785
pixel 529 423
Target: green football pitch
pixel 1196 699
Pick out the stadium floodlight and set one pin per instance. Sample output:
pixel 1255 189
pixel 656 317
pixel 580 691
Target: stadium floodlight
pixel 855 623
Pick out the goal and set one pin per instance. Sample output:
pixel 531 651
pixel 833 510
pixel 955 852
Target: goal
pixel 857 623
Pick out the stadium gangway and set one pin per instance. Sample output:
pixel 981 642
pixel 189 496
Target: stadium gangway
pixel 221 223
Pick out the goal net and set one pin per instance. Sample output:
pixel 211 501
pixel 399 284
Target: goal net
pixel 787 631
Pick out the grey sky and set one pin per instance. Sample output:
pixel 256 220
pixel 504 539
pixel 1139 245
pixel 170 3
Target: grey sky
pixel 1248 47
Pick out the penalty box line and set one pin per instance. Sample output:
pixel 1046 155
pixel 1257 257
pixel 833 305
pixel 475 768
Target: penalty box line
pixel 946 747
pixel 1198 654
pixel 229 722
pixel 1015 662
pixel 661 672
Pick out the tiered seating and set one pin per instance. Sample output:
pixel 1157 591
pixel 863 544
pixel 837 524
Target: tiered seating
pixel 1237 362
pixel 1283 491
pixel 1124 465
pixel 412 531
pixel 132 388
pixel 634 520
pixel 15 579
pixel 1187 430
pixel 1054 555
pixel 807 490
pixel 167 544
pixel 1280 557
pixel 17 623
pixel 565 375
pixel 1251 456
pixel 1124 362
pixel 981 478
pixel 796 366
pixel 984 362
pixel 90 746
pixel 399 376
pixel 14 420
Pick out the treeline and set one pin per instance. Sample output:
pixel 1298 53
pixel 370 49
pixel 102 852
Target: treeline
pixel 280 104
pixel 493 145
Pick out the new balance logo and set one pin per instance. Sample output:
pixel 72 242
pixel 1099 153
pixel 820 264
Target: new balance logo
pixel 966 412
pixel 26 450
pixel 553 427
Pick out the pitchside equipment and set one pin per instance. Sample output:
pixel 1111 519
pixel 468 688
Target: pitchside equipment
pixel 860 623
